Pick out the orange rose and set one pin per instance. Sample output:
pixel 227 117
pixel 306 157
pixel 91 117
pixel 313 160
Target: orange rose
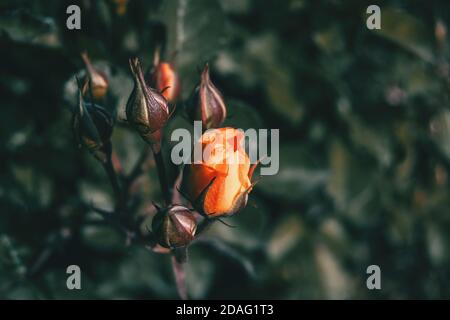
pixel 225 161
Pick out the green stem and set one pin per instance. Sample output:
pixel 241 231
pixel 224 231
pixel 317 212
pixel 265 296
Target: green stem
pixel 162 176
pixel 180 277
pixel 114 182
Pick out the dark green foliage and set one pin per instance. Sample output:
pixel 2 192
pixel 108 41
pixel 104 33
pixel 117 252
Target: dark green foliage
pixel 364 162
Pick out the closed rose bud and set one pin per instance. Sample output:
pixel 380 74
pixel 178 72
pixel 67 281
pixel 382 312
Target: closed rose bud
pixel 222 179
pixel 95 82
pixel 165 79
pixel 92 126
pixel 207 102
pixel 147 110
pixel 174 227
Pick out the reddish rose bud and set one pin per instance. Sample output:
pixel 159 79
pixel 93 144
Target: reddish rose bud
pixel 92 126
pixel 207 102
pixel 174 226
pixel 164 78
pixel 147 110
pixel 95 82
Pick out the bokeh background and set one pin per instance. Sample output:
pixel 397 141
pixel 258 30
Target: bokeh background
pixel 364 158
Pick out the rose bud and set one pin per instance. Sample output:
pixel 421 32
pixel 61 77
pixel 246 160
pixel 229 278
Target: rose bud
pixel 95 80
pixel 147 110
pixel 207 102
pixel 222 180
pixel 174 226
pixel 92 126
pixel 164 78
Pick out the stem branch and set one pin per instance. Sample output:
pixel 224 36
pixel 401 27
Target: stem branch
pixel 162 176
pixel 138 167
pixel 108 165
pixel 180 277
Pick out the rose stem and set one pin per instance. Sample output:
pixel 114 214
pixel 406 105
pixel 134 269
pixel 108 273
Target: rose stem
pixel 108 165
pixel 162 176
pixel 180 277
pixel 177 266
pixel 138 167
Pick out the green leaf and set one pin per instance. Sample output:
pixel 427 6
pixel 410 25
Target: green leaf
pixel 406 31
pixel 262 54
pixel 352 183
pixel 196 30
pixel 373 138
pixel 22 26
pixel 335 280
pixel 103 238
pixel 298 176
pixel 200 273
pixel 141 271
pixel 440 132
pixel 250 226
pixel 285 236
pixel 242 116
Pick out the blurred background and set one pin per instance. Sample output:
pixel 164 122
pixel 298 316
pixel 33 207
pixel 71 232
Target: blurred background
pixel 364 159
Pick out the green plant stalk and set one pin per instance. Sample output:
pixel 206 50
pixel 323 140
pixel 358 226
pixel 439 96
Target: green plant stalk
pixel 180 277
pixel 114 183
pixel 137 169
pixel 162 176
pixel 177 257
